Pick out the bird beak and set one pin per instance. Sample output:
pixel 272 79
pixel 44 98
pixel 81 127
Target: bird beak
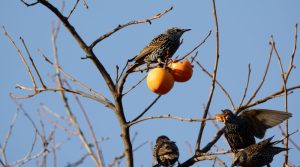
pixel 185 30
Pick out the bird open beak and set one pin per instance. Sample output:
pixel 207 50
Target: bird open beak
pixel 220 118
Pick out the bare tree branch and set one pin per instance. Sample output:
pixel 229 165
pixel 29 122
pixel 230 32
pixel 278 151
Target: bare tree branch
pixel 246 87
pixel 29 4
pixel 87 119
pixel 78 162
pixel 73 9
pixel 146 109
pixel 21 56
pixel 105 101
pixel 135 85
pixel 217 82
pixel 32 63
pixel 262 81
pixel 82 44
pixel 291 66
pixel 169 117
pixel 193 160
pixel 67 106
pixel 119 27
pixel 212 88
pixel 201 43
pixel 8 135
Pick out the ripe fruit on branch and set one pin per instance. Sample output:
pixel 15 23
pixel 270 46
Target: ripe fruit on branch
pixel 181 71
pixel 160 81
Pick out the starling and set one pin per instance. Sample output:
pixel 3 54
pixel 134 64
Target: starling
pixel 240 131
pixel 165 151
pixel 257 155
pixel 160 49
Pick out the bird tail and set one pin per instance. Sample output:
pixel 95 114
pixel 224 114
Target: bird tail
pixel 132 59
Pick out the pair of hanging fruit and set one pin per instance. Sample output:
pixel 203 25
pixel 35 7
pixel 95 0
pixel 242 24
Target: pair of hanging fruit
pixel 161 80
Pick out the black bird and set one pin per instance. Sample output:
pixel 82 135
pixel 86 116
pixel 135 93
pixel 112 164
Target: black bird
pixel 240 131
pixel 257 155
pixel 160 49
pixel 165 151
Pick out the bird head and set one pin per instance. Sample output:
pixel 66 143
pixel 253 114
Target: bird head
pixel 226 116
pixel 176 32
pixel 162 138
pixel 239 158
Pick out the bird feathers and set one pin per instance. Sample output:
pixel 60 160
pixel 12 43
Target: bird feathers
pixel 262 119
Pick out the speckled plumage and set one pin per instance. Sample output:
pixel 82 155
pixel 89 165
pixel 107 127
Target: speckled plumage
pixel 257 155
pixel 160 48
pixel 240 131
pixel 165 151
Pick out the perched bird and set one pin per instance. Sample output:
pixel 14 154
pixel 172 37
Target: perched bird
pixel 257 155
pixel 165 151
pixel 160 49
pixel 240 131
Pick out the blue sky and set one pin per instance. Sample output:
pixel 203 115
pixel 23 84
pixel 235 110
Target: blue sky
pixel 245 29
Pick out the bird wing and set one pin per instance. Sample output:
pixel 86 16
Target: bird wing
pixel 155 43
pixel 262 119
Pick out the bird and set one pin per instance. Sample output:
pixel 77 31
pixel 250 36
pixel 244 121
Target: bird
pixel 165 151
pixel 160 49
pixel 257 155
pixel 240 130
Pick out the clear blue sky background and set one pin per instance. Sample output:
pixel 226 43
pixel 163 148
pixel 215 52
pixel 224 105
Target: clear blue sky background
pixel 245 29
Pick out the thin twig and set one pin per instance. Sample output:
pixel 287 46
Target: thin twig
pixel 56 123
pixel 119 27
pixel 134 86
pixel 170 117
pixel 44 141
pixel 212 88
pixel 55 89
pixel 74 7
pixel 11 126
pixel 21 56
pixel 291 66
pixel 284 82
pixel 89 52
pixel 290 139
pixel 85 4
pixel 67 106
pixel 87 119
pixel 104 100
pixel 78 162
pixel 217 82
pixel 203 41
pixel 247 85
pixel 120 157
pixel 32 62
pixel 146 109
pixel 29 4
pixel 262 81
pixel 53 143
pixel 37 155
pixel 193 160
pixel 272 96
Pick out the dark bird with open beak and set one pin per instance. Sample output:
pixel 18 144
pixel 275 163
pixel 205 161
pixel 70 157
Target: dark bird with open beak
pixel 240 130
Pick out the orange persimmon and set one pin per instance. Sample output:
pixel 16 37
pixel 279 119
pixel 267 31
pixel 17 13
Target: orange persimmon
pixel 181 71
pixel 160 81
